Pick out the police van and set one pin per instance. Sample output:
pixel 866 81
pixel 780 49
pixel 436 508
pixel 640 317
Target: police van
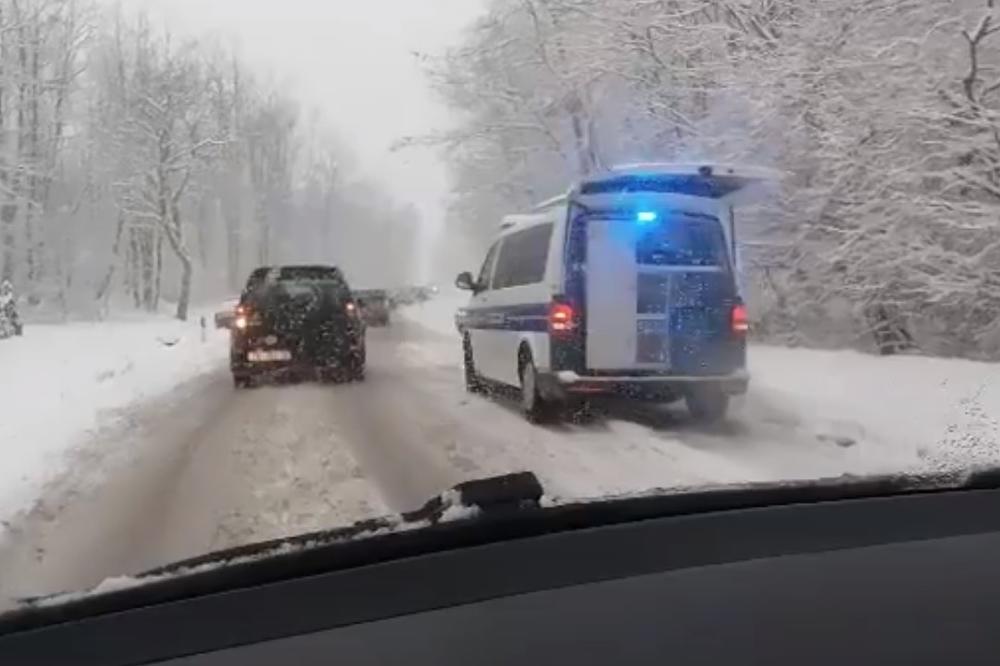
pixel 627 285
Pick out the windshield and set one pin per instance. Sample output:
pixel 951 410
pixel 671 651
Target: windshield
pixel 269 269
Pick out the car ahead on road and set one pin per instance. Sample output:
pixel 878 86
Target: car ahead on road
pixel 297 320
pixel 374 305
pixel 625 286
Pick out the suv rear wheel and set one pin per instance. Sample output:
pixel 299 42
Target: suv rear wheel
pixel 356 367
pixel 707 404
pixel 243 381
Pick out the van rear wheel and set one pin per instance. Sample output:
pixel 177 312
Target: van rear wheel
pixel 473 382
pixel 536 408
pixel 707 404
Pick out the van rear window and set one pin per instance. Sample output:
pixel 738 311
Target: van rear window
pixel 682 240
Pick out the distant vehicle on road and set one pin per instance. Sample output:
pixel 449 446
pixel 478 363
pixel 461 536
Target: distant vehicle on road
pixel 298 320
pixel 625 286
pixel 224 318
pixel 374 305
pixel 413 294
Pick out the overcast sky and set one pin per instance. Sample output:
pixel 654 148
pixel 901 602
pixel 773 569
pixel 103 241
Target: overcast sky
pixel 351 59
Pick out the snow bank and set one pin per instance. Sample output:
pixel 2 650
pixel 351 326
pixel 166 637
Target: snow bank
pixel 59 382
pixel 937 413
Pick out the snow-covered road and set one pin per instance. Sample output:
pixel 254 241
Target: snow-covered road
pixel 205 467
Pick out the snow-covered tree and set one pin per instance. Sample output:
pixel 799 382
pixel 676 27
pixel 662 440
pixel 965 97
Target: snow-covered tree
pixel 883 113
pixel 142 169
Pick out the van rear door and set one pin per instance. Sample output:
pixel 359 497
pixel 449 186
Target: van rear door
pixel 659 295
pixel 660 280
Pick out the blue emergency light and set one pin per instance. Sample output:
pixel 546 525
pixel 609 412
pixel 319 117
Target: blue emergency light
pixel 645 216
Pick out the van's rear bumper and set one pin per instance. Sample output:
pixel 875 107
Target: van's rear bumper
pixel 565 383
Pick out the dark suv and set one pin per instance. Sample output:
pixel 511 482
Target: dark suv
pixel 297 320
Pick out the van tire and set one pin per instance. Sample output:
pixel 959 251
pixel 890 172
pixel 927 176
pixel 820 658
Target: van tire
pixel 473 382
pixel 707 404
pixel 535 408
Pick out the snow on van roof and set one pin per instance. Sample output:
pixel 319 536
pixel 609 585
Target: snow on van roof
pixel 554 201
pixel 735 172
pixel 694 168
pixel 522 220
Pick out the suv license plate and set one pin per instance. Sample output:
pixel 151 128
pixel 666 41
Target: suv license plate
pixel 269 356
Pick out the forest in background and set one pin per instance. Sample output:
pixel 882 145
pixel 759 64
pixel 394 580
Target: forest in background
pixel 140 170
pixel 885 114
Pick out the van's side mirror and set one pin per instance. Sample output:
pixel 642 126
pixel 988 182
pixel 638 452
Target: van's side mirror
pixel 466 281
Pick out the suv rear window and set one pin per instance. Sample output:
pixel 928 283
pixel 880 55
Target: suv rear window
pixel 682 240
pixel 301 273
pixel 288 282
pixel 288 290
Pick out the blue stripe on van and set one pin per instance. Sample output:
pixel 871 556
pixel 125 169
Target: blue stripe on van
pixel 532 317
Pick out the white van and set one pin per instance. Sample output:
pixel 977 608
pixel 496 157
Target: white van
pixel 626 285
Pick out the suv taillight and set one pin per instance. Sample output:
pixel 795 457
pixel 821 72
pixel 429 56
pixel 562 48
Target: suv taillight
pixel 739 319
pixel 561 318
pixel 242 319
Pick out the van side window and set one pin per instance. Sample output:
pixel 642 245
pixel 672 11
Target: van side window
pixel 484 272
pixel 522 257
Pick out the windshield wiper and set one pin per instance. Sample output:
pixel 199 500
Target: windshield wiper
pixel 493 496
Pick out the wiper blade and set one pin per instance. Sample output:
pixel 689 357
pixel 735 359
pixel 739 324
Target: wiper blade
pixel 509 492
pixel 491 496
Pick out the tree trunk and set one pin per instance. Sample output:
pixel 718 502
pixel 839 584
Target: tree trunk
pixel 175 236
pixel 105 287
pixel 158 272
pixel 133 276
pixel 184 299
pixel 148 272
pixel 9 245
pixel 233 277
pixel 20 155
pixel 264 240
pixel 35 204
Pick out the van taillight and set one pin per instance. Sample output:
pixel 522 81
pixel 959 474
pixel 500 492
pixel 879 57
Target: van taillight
pixel 560 317
pixel 739 319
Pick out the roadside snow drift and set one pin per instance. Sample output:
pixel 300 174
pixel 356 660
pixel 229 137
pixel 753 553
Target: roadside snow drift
pixel 60 382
